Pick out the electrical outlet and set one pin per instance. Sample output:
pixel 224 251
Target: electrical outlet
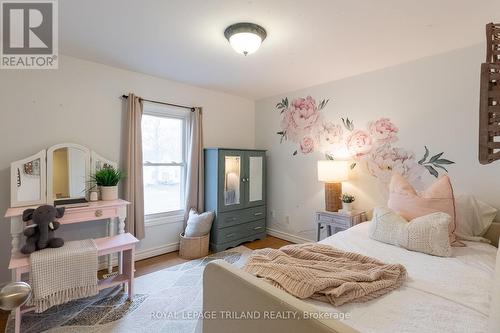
pixel 287 219
pixel 273 213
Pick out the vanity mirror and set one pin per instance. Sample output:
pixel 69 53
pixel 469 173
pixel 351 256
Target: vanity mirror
pixel 28 180
pixel 68 170
pixel 58 175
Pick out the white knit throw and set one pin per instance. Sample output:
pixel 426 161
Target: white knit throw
pixel 64 274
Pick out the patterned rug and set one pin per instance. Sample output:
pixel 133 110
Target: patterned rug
pixel 164 302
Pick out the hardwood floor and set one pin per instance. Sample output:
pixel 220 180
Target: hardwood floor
pixel 160 262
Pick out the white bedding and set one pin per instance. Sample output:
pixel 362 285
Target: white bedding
pixel 440 295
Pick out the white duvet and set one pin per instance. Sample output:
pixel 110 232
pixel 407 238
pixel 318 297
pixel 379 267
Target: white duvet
pixel 440 295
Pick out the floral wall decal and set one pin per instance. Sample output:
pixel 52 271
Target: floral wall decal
pixel 303 123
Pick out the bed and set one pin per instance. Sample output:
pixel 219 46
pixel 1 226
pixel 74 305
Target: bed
pixel 440 295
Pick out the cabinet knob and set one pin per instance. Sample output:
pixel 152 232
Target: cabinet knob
pixel 98 213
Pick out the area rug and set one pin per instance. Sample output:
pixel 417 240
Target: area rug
pixel 165 301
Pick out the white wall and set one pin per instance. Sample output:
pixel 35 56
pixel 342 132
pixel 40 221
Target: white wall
pixel 80 103
pixel 434 101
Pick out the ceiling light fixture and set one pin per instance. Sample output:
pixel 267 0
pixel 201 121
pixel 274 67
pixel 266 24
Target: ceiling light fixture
pixel 245 38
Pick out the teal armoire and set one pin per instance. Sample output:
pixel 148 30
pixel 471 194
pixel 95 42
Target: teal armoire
pixel 235 189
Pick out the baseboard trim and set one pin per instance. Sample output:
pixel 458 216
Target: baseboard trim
pixel 286 236
pixel 156 251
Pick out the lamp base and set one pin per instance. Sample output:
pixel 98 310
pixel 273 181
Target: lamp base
pixel 333 191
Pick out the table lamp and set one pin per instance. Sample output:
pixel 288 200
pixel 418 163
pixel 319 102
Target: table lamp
pixel 333 173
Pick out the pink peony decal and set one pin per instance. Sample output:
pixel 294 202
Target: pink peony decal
pixel 359 143
pixel 304 124
pixel 328 133
pixel 383 131
pixel 290 127
pixel 304 112
pixel 306 145
pixel 385 160
pixel 299 119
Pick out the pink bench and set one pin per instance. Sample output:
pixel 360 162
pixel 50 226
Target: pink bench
pixel 123 243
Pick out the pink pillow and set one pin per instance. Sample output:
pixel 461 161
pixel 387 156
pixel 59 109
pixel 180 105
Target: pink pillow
pixel 404 200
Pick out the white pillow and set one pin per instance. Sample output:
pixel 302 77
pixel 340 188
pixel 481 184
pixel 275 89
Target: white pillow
pixel 426 234
pixel 198 224
pixel 474 217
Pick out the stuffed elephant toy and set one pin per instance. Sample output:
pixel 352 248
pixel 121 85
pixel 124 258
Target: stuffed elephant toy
pixel 41 235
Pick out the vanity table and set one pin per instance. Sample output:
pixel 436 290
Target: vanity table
pixel 56 175
pixel 113 211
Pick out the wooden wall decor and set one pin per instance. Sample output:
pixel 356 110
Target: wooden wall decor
pixel 489 107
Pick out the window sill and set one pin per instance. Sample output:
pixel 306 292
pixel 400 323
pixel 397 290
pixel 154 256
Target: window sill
pixel 161 219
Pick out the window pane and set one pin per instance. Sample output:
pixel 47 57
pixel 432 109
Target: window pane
pixel 162 139
pixel 162 189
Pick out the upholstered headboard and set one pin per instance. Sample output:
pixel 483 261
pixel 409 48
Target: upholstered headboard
pixel 493 233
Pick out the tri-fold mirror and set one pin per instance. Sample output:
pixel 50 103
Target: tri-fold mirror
pixel 59 175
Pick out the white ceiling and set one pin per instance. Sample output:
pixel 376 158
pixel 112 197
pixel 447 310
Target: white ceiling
pixel 309 41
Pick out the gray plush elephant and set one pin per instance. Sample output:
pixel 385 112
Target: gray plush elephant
pixel 41 235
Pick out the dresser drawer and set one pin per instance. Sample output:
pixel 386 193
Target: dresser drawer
pixel 239 231
pixel 73 216
pixel 256 227
pixel 240 216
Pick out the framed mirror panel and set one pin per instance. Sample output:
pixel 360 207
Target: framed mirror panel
pixel 28 181
pixel 68 172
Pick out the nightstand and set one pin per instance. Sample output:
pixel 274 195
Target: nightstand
pixel 338 220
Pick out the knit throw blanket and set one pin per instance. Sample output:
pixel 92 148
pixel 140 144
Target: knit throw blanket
pixel 64 274
pixel 325 273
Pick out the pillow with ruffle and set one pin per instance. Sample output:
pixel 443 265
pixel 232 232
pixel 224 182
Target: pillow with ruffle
pixel 438 197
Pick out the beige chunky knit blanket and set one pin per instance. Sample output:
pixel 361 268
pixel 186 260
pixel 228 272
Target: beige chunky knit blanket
pixel 64 274
pixel 325 273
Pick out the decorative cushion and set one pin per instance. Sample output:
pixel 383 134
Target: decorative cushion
pixel 198 224
pixel 426 234
pixel 474 217
pixel 405 201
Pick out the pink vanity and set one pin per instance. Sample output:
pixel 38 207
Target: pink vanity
pixel 62 174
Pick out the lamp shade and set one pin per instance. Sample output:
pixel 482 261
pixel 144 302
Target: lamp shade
pixel 330 171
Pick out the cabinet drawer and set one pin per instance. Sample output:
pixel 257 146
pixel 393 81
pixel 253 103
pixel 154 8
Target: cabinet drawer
pixel 256 227
pixel 337 220
pixel 240 216
pixel 239 231
pixel 74 216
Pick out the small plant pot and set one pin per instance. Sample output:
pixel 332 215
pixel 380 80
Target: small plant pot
pixel 94 196
pixel 109 193
pixel 346 206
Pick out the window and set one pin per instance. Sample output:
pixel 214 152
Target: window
pixel 164 159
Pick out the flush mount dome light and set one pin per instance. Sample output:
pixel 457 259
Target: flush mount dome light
pixel 245 38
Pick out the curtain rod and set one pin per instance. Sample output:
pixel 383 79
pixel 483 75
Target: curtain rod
pixel 164 103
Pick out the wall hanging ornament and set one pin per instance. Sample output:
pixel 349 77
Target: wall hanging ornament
pixel 489 105
pixel 304 123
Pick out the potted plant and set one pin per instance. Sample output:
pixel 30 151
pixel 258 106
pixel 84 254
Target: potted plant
pixel 107 179
pixel 347 200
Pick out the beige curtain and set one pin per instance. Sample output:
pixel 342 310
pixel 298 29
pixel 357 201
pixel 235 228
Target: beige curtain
pixel 134 190
pixel 195 169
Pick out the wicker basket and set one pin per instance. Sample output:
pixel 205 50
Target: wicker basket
pixel 193 247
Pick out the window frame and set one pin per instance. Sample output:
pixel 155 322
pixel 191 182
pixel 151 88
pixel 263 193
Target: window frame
pixel 163 111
